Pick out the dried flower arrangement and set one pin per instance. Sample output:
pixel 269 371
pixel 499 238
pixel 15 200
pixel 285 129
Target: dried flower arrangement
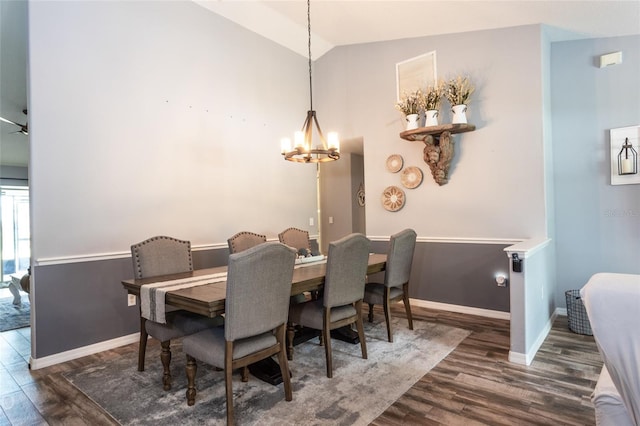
pixel 410 103
pixel 432 96
pixel 458 90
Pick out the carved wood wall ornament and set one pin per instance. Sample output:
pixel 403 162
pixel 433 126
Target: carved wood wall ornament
pixel 439 146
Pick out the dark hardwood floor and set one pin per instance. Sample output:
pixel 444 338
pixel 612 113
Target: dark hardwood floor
pixel 474 385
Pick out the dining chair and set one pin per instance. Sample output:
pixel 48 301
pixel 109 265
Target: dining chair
pixel 163 255
pixel 296 238
pixel 254 329
pixel 396 279
pixel 299 240
pixel 341 302
pixel 245 240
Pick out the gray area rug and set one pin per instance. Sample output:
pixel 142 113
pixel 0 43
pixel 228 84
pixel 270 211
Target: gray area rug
pixel 14 316
pixel 358 393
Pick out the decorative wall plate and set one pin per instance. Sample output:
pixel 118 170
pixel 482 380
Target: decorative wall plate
pixel 394 163
pixel 411 177
pixel 393 198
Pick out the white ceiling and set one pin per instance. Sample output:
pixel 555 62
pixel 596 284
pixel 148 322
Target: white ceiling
pixel 338 23
pixel 333 23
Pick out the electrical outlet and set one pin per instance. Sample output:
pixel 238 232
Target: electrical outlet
pixel 311 221
pixel 501 280
pixel 131 300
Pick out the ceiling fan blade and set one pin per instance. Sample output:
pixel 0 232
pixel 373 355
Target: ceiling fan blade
pixel 23 129
pixel 10 122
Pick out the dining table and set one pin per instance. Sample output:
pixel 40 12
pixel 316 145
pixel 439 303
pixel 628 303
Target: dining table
pixel 208 298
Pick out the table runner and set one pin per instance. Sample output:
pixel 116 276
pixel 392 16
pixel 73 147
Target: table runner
pixel 310 261
pixel 152 296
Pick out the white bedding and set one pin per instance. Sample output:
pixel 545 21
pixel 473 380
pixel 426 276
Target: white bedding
pixel 612 302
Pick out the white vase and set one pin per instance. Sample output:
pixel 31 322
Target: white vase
pixel 412 121
pixel 431 117
pixel 459 114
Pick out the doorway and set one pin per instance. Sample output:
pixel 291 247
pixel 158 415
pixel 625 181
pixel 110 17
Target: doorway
pixel 15 245
pixel 342 200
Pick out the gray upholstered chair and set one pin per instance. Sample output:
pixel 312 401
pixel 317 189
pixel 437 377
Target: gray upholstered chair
pixel 396 279
pixel 299 240
pixel 341 303
pixel 245 240
pixel 296 238
pixel 160 256
pixel 254 329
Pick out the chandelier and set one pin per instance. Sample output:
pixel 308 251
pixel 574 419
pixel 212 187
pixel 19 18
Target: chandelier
pixel 303 150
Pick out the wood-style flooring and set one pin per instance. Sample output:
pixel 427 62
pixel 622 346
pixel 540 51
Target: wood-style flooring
pixel 474 385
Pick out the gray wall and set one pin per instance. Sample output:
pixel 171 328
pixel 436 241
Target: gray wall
pixel 496 188
pixel 598 225
pixel 164 126
pixel 84 303
pixel 456 274
pixel 149 118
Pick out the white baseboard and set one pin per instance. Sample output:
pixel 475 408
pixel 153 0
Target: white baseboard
pixel 526 359
pixel 461 309
pixel 36 363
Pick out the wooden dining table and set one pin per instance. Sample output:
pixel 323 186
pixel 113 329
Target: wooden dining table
pixel 209 299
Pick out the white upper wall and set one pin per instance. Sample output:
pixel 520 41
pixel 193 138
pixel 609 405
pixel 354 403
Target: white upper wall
pixel 159 118
pixel 496 181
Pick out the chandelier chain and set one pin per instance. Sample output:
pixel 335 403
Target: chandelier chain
pixel 309 46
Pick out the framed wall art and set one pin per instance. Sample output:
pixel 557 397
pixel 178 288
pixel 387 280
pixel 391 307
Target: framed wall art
pixel 415 73
pixel 624 145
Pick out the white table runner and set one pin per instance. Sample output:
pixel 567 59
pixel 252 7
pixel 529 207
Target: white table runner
pixel 153 296
pixel 310 261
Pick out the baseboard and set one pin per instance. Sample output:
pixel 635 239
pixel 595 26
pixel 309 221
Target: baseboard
pixel 461 309
pixel 37 363
pixel 561 312
pixel 527 359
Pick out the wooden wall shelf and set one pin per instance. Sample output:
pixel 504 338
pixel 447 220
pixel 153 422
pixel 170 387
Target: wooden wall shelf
pixel 438 150
pixel 421 133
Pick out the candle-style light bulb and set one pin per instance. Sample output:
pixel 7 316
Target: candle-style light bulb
pixel 333 141
pixel 285 145
pixel 299 140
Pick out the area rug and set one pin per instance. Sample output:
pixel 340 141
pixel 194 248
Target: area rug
pixel 14 316
pixel 359 391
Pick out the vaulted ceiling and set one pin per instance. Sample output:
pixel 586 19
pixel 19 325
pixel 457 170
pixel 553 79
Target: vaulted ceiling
pixel 333 23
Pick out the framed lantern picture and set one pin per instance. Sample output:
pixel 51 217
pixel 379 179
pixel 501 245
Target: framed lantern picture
pixel 624 148
pixel 415 73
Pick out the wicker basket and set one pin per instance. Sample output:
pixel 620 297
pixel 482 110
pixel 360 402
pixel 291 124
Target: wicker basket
pixel 577 314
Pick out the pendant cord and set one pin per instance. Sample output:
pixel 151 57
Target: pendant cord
pixel 309 31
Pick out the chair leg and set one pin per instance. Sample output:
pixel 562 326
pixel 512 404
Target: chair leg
pixel 165 357
pixel 228 369
pixel 142 349
pixel 387 313
pixel 191 380
pixel 326 332
pixel 327 352
pixel 284 365
pixel 407 306
pixel 370 312
pixel 291 332
pixel 360 327
pixel 245 374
